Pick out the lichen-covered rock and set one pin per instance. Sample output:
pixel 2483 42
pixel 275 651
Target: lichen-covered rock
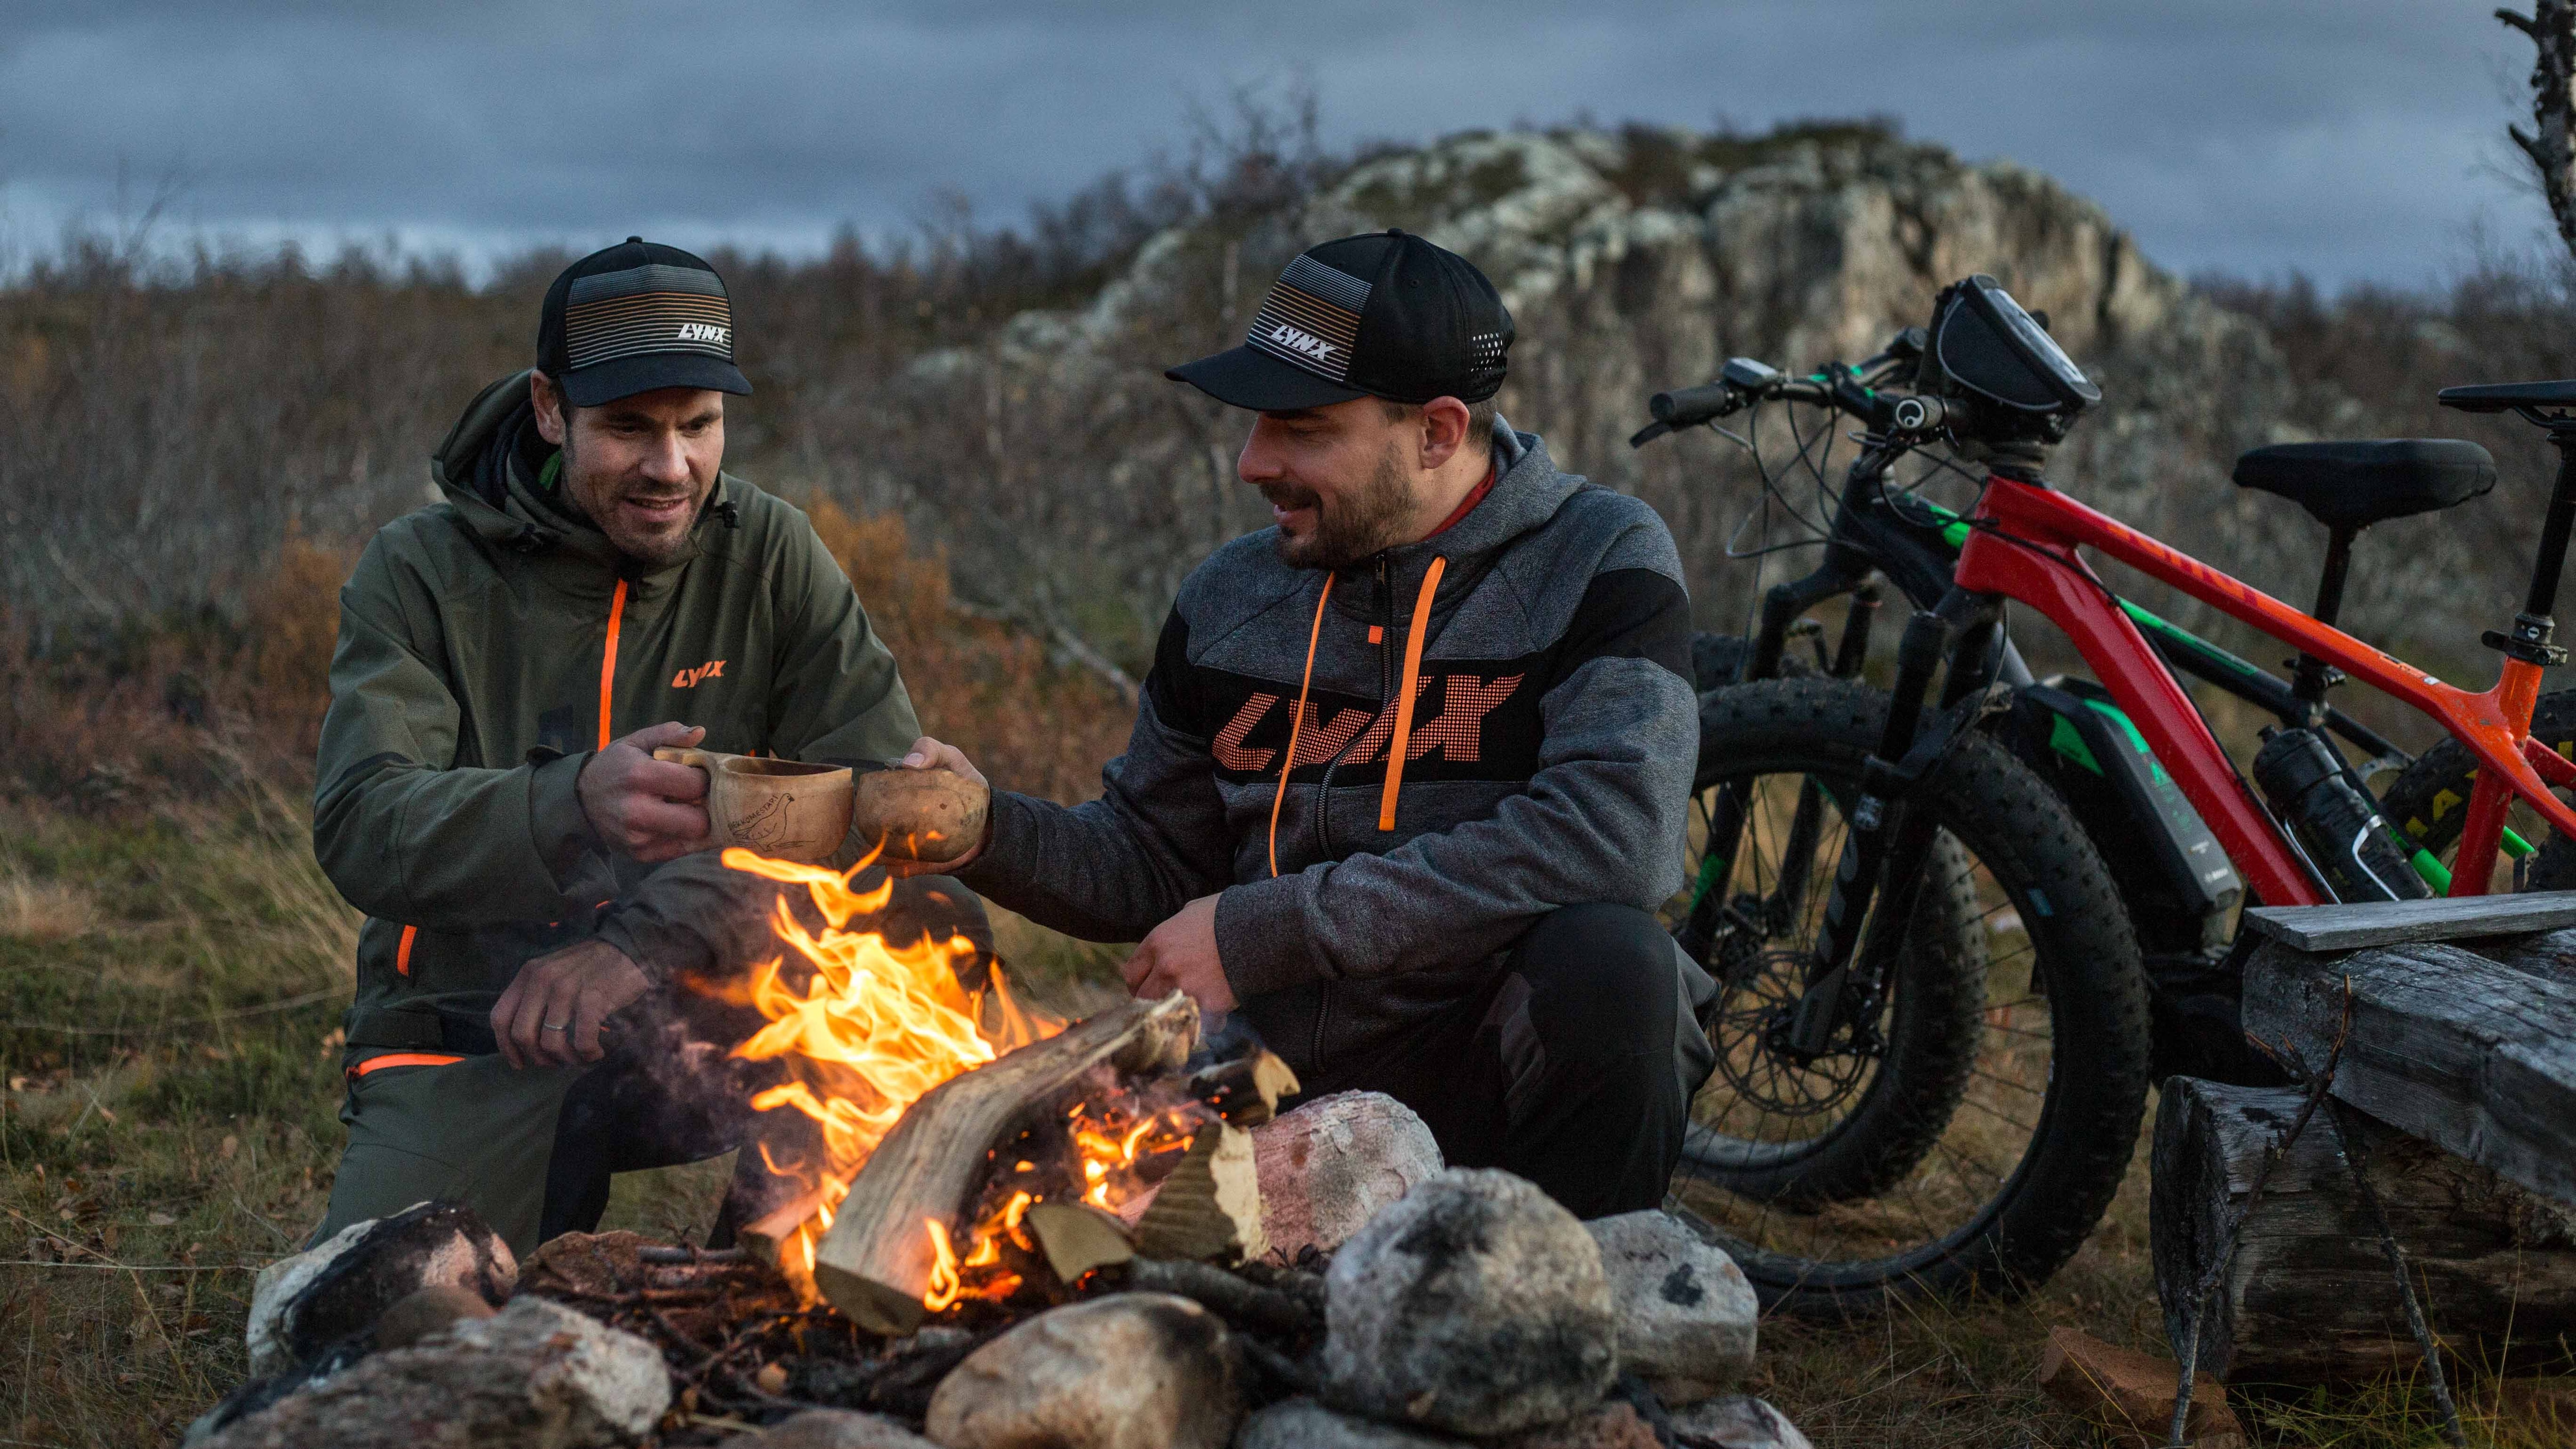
pixel 1739 1422
pixel 1477 1305
pixel 303 1304
pixel 1686 1315
pixel 1330 1165
pixel 534 1376
pixel 1129 1371
pixel 1305 1424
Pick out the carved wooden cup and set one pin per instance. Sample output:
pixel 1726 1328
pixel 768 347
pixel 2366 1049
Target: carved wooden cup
pixel 932 816
pixel 778 808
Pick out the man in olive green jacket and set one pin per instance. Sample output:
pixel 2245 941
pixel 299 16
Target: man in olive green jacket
pixel 593 586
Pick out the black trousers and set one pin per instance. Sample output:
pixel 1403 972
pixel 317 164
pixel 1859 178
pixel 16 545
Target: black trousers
pixel 669 1093
pixel 1563 1070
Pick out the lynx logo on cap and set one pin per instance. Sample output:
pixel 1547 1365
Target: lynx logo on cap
pixel 1312 318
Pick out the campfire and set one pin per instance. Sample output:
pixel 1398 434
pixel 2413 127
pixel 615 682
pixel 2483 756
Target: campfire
pixel 1010 1229
pixel 972 1186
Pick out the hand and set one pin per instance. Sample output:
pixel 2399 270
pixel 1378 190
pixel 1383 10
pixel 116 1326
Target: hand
pixel 650 809
pixel 929 754
pixel 1180 955
pixel 575 990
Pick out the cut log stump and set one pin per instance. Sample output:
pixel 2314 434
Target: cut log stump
pixel 2309 1297
pixel 875 1264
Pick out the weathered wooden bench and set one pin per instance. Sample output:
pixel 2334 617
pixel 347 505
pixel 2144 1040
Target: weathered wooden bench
pixel 2455 1086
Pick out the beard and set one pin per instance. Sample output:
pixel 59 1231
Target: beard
pixel 598 499
pixel 1361 521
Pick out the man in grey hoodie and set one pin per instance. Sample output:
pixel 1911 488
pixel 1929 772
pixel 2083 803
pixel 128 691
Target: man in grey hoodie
pixel 1410 772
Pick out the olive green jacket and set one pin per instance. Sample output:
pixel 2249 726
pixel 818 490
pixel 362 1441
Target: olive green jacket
pixel 488 645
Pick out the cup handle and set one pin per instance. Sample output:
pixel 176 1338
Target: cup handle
pixel 703 761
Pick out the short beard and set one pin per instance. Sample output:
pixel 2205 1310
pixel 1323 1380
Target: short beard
pixel 650 551
pixel 1368 520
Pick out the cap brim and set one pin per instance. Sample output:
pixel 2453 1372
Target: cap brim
pixel 619 377
pixel 1246 377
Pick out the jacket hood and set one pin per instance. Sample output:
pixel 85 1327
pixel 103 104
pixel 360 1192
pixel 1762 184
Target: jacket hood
pixel 483 470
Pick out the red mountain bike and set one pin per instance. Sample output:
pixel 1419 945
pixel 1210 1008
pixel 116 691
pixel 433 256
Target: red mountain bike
pixel 1933 1020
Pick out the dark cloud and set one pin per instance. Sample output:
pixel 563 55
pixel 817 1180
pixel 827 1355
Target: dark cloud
pixel 2352 139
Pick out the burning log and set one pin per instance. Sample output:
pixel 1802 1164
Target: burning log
pixel 1210 1208
pixel 1246 1090
pixel 1078 1237
pixel 888 1256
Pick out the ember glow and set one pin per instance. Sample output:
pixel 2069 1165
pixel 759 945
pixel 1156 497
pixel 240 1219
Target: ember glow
pixel 866 1029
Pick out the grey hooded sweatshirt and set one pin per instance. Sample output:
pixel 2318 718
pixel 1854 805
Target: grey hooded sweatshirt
pixel 1548 762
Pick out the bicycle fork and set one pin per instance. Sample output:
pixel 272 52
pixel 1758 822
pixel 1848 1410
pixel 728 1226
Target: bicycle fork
pixel 1884 852
pixel 1727 818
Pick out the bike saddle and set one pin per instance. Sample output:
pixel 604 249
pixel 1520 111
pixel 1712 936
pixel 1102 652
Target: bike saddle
pixel 2357 484
pixel 2496 397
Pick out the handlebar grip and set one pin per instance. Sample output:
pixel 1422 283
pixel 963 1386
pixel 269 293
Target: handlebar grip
pixel 1685 407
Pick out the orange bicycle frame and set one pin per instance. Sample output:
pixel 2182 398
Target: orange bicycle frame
pixel 2022 547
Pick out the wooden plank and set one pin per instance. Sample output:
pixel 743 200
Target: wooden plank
pixel 2474 1055
pixel 2308 1297
pixel 2390 923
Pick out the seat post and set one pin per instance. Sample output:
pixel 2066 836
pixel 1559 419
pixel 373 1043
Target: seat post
pixel 2338 561
pixel 2311 677
pixel 2545 568
pixel 2532 628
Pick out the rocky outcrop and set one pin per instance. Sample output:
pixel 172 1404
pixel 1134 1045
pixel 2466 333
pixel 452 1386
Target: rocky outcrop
pixel 1640 260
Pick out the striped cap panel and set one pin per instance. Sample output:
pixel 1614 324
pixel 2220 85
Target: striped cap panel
pixel 653 308
pixel 1312 318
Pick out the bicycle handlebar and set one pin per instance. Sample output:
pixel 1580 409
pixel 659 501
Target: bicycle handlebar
pixel 1686 407
pixel 1746 381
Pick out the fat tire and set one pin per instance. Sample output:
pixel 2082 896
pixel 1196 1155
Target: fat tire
pixel 2428 801
pixel 2081 936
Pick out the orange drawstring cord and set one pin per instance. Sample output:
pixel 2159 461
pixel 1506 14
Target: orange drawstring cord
pixel 1404 694
pixel 1297 721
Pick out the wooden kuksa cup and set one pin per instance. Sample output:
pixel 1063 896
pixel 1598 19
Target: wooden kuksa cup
pixel 792 811
pixel 778 808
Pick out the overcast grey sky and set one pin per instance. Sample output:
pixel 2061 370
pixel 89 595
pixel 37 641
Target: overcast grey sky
pixel 2350 139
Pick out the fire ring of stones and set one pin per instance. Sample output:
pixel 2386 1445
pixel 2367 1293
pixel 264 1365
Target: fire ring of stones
pixel 1002 1272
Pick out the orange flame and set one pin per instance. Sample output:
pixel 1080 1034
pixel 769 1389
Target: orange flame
pixel 874 1027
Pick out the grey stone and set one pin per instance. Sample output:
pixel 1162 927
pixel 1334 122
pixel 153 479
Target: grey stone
pixel 1305 1424
pixel 1476 1305
pixel 1329 1166
pixel 1739 1422
pixel 835 1429
pixel 434 1309
pixel 1129 1371
pixel 534 1376
pixel 1687 1317
pixel 303 1304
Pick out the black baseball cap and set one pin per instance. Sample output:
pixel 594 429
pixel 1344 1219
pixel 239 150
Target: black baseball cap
pixel 1384 315
pixel 635 317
